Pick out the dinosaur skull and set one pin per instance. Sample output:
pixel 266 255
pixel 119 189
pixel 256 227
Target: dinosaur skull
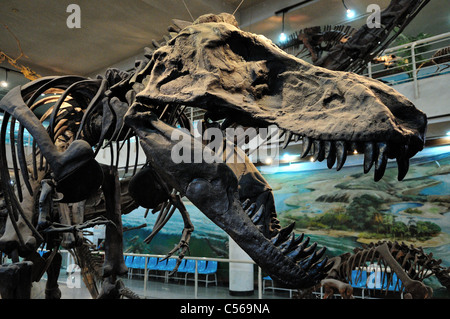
pixel 231 73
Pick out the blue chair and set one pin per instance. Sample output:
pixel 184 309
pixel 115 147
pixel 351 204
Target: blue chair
pixel 169 267
pixel 210 269
pixel 161 264
pixel 396 285
pixel 159 267
pixel 153 265
pixel 142 263
pixel 129 263
pixel 201 266
pixel 267 278
pixel 171 264
pixel 138 264
pixel 189 269
pixel 182 266
pixel 359 280
pixel 190 266
pixel 152 262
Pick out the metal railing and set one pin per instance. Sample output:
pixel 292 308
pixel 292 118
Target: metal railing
pixel 196 273
pixel 412 61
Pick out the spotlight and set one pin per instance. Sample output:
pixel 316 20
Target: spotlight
pixel 282 37
pixel 288 157
pixel 268 161
pixel 448 133
pixel 350 13
pixel 4 84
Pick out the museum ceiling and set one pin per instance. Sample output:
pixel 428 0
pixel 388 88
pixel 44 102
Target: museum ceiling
pixel 114 30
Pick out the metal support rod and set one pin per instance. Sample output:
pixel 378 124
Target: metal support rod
pixel 369 68
pixel 196 280
pixel 414 70
pixel 145 277
pixel 259 283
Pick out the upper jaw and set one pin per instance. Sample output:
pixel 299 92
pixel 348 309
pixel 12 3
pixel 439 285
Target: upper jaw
pixel 217 67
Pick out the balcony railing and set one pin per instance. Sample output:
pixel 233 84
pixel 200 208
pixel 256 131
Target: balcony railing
pixel 412 62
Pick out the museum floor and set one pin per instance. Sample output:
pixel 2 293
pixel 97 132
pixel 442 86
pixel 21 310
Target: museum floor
pixel 158 289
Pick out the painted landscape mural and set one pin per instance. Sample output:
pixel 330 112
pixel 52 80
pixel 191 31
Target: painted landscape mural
pixel 338 210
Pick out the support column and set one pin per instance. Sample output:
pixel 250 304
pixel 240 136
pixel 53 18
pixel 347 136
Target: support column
pixel 241 274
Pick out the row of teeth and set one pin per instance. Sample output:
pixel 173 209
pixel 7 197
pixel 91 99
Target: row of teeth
pixel 336 152
pixel 289 244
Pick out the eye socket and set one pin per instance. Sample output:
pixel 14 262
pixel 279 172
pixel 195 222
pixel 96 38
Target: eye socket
pixel 159 55
pixel 180 65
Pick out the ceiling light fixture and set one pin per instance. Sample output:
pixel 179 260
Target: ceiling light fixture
pixel 350 13
pixel 4 84
pixel 282 38
pixel 282 35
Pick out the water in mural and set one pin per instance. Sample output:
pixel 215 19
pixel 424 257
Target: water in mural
pixel 342 209
pixel 338 210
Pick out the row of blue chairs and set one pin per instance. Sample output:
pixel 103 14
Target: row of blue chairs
pixel 156 266
pixel 375 280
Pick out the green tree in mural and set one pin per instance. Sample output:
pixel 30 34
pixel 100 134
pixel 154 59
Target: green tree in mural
pixel 361 211
pixel 400 229
pixel 427 229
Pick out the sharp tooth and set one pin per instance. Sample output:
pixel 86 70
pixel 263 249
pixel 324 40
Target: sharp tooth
pixel 306 146
pixel 258 215
pixel 402 163
pixel 330 153
pixel 284 247
pixel 296 137
pixel 292 244
pixel 341 154
pixel 321 266
pixel 283 235
pixel 327 148
pixel 287 139
pixel 299 252
pixel 369 156
pixel 306 253
pixel 319 151
pixel 251 210
pixel 381 162
pixel 246 204
pixel 282 134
